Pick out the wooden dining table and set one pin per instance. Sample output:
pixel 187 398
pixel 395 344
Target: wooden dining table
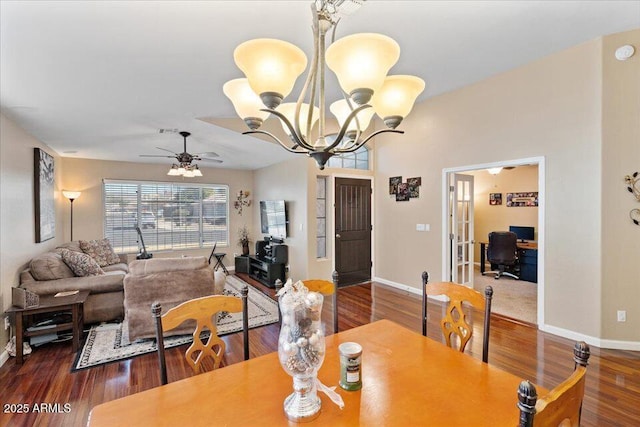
pixel 407 380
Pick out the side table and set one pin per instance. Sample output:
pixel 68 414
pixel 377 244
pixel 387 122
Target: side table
pixel 49 304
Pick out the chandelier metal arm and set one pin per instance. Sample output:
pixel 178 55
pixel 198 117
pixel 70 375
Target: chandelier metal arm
pixel 275 138
pixel 361 143
pixel 297 139
pixel 344 127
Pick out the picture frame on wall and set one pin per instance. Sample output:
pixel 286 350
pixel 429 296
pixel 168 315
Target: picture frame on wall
pixel 44 187
pixel 403 192
pixel 394 181
pixel 529 199
pixel 495 199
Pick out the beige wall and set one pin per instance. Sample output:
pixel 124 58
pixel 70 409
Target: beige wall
pixel 87 175
pixel 620 156
pixel 287 181
pixel 490 218
pixel 17 217
pixel 549 108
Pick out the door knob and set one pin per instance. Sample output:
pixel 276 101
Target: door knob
pixel 337 236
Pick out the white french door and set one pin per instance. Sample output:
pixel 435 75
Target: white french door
pixel 461 229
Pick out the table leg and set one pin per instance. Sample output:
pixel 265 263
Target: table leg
pixel 75 342
pixel 482 257
pixel 19 338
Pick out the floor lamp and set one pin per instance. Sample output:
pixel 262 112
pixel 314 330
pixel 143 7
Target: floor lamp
pixel 71 195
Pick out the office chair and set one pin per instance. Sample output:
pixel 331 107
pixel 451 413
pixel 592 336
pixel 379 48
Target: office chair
pixel 563 403
pixel 203 311
pixel 503 252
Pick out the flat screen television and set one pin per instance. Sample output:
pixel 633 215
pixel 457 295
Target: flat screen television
pixel 273 218
pixel 523 233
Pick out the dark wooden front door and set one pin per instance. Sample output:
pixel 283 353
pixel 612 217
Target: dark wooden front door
pixel 353 230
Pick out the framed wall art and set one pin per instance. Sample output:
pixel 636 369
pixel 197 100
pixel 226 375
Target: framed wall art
pixel 45 210
pixel 529 199
pixel 393 184
pixel 495 199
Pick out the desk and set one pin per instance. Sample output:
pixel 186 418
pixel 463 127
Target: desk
pixel 529 249
pixel 408 380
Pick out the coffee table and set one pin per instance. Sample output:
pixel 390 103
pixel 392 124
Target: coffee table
pixel 49 304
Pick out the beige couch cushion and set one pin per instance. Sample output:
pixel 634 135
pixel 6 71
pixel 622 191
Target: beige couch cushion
pixel 163 265
pixel 101 251
pixel 81 264
pixel 49 266
pixel 110 282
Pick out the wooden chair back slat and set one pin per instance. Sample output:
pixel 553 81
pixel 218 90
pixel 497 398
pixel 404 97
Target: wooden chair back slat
pixel 203 311
pixel 455 321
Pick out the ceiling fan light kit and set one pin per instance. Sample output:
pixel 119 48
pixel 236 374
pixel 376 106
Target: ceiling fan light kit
pixel 184 167
pixel 361 63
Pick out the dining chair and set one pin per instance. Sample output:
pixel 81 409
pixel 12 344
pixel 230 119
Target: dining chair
pixel 204 311
pixel 562 404
pixel 327 288
pixel 454 322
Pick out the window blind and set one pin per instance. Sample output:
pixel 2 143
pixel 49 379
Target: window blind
pixel 171 216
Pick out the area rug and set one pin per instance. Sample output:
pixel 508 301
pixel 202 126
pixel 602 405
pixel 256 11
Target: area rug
pixel 105 343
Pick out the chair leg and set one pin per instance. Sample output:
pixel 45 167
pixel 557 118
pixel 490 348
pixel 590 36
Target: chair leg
pixel 156 310
pixel 244 292
pixel 335 277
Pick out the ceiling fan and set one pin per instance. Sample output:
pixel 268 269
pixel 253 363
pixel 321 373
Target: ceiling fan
pixel 184 166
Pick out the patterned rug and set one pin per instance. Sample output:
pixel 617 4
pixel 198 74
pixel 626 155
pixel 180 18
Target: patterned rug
pixel 105 343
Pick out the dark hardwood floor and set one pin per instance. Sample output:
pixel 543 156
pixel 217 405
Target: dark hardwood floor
pixel 612 395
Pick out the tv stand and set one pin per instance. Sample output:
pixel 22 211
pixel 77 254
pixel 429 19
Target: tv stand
pixel 264 271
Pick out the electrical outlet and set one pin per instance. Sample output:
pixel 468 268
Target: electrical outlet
pixel 622 316
pixel 7 325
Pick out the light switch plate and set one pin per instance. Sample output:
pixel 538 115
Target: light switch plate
pixel 419 227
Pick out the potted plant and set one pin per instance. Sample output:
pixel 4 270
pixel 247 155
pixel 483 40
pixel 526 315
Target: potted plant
pixel 243 240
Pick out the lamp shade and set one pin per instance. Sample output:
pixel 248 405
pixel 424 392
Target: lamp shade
pixel 494 171
pixel 341 111
pixel 361 61
pixel 289 110
pixel 71 195
pixel 271 66
pixel 397 96
pixel 245 101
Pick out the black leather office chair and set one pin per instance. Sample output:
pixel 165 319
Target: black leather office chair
pixel 503 252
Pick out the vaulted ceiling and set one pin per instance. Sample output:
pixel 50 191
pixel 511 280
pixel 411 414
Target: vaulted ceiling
pixel 99 79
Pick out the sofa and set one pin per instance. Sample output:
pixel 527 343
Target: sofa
pixel 169 281
pixel 48 273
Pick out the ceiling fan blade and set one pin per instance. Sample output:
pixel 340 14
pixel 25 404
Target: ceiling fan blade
pixel 156 155
pixel 210 160
pixel 164 149
pixel 207 154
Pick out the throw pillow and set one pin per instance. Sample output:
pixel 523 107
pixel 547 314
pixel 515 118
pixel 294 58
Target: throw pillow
pixel 101 251
pixel 49 266
pixel 81 264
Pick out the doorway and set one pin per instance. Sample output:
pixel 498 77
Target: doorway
pixel 353 229
pixel 534 311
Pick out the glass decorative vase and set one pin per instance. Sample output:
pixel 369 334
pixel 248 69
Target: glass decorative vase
pixel 301 349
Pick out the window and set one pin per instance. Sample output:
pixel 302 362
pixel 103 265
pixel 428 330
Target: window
pixel 170 216
pixel 321 217
pixel 359 159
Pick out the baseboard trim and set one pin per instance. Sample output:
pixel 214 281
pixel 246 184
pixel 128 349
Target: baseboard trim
pixel 4 356
pixel 397 285
pixel 594 341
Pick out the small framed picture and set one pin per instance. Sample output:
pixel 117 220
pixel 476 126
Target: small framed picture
pixel 415 182
pixel 403 192
pixel 495 198
pixel 393 184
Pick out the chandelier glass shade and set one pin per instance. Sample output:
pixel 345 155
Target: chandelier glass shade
pixel 360 62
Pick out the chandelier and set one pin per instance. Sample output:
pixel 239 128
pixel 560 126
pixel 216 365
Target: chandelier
pixel 361 63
